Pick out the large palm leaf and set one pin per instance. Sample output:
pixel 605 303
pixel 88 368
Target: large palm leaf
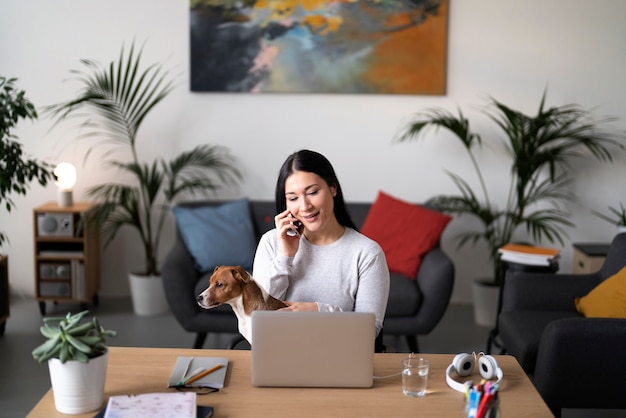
pixel 120 96
pixel 541 148
pixel 112 104
pixel 157 185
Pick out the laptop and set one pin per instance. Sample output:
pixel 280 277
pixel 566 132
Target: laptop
pixel 313 349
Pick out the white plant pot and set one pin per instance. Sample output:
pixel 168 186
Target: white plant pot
pixel 78 387
pixel 148 295
pixel 485 303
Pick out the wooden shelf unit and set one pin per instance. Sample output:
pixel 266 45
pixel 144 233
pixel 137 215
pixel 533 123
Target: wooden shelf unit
pixel 67 254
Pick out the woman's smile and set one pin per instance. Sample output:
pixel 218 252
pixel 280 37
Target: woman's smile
pixel 311 200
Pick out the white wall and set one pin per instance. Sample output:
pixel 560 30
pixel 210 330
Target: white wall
pixel 507 49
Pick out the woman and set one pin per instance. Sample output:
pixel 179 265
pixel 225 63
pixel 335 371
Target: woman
pixel 315 259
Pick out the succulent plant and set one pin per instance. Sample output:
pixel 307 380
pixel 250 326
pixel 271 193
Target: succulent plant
pixel 71 339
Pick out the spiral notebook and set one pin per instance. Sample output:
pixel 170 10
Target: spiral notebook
pixel 186 368
pixel 172 404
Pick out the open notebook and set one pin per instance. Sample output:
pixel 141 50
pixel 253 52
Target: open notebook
pixel 313 349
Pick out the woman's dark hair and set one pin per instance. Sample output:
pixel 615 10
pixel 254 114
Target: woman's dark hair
pixel 312 162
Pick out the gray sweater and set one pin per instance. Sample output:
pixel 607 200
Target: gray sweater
pixel 351 274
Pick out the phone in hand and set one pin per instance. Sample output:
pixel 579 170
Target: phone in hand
pixel 292 232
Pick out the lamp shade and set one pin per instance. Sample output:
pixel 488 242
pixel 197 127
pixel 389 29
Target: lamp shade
pixel 65 176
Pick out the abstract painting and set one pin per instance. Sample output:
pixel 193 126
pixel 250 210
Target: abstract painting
pixel 319 46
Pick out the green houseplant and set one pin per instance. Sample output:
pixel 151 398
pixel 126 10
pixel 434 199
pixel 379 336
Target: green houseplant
pixel 17 170
pixel 113 103
pixel 540 149
pixel 76 353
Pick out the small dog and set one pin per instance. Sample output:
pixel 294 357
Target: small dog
pixel 235 286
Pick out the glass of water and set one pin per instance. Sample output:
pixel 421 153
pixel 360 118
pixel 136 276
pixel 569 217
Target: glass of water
pixel 414 376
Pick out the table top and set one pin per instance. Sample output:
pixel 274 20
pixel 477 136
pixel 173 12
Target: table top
pixel 143 370
pixel 593 249
pixel 54 207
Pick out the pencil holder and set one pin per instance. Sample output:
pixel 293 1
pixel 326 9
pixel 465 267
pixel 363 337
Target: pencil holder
pixel 490 408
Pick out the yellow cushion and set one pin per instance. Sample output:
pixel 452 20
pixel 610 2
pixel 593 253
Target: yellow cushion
pixel 606 300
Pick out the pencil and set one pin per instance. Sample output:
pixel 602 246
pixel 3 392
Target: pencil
pixel 204 373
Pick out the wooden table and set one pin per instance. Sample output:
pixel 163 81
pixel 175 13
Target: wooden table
pixel 143 370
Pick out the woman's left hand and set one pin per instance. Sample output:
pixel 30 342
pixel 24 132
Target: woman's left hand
pixel 300 307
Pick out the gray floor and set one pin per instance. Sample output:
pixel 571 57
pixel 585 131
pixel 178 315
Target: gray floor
pixel 23 381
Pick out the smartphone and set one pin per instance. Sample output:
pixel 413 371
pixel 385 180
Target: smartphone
pixel 204 411
pixel 292 232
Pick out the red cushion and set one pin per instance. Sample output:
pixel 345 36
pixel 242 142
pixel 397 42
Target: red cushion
pixel 404 231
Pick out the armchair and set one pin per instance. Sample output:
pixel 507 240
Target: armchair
pixel 414 308
pixel 580 364
pixel 563 352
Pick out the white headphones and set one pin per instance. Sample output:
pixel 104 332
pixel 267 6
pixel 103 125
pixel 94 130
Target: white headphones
pixel 463 365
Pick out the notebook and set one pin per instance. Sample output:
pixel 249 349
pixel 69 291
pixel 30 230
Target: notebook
pixel 171 404
pixel 187 367
pixel 313 349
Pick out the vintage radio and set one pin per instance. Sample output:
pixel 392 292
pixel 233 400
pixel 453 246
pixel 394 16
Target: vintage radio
pixel 57 289
pixel 55 224
pixel 54 270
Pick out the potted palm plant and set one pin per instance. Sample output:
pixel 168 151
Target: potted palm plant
pixel 76 354
pixel 17 170
pixel 541 148
pixel 119 97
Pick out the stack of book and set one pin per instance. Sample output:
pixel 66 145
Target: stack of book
pixel 528 254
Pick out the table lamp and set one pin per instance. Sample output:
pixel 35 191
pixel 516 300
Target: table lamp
pixel 65 174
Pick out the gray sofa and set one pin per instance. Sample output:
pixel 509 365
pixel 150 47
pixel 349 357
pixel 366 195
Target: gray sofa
pixel 573 361
pixel 414 308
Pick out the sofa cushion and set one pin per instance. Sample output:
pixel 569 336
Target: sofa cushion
pixel 405 232
pixel 607 300
pixel 263 213
pixel 522 330
pixel 218 235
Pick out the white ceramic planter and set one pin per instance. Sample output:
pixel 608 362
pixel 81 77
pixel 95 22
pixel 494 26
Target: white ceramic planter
pixel 78 387
pixel 485 304
pixel 148 295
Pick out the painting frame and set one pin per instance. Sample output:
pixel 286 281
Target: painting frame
pixel 319 46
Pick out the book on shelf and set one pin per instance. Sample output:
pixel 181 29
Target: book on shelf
pixel 78 279
pixel 528 254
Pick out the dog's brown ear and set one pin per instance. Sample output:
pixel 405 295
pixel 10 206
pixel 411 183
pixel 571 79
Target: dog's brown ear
pixel 217 267
pixel 240 274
